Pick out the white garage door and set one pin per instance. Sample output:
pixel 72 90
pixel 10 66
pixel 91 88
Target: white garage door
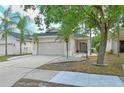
pixel 51 48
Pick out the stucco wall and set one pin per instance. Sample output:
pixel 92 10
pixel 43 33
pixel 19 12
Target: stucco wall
pixel 72 46
pixel 114 46
pixel 14 46
pixel 11 49
pixel 109 45
pixel 88 46
pixel 11 45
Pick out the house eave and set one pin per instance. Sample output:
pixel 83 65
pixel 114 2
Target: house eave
pixel 47 36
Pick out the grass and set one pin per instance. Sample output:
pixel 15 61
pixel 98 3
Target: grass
pixel 114 66
pixel 3 58
pixel 19 54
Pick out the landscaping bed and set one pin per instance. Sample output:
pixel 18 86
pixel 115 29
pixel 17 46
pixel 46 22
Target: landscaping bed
pixel 114 66
pixel 37 83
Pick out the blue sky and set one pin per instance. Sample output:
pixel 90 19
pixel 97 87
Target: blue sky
pixel 1 9
pixel 30 25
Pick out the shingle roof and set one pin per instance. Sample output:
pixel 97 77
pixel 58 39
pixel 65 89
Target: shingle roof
pixel 48 34
pixel 77 35
pixel 17 35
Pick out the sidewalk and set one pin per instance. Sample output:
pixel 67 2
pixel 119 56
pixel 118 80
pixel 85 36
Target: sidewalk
pixel 69 59
pixel 75 78
pixel 83 54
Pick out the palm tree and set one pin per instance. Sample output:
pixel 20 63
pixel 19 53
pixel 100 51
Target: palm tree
pixel 65 35
pixel 6 31
pixel 8 19
pixel 36 40
pixel 21 26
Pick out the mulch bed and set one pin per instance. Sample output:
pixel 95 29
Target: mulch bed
pixel 114 66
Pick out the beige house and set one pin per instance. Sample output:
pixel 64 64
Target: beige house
pixel 50 45
pixel 14 45
pixel 113 44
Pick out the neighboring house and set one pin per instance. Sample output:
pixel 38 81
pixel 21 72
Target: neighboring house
pixel 14 45
pixel 112 44
pixel 50 45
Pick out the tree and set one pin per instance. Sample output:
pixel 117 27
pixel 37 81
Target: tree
pixel 118 44
pixel 88 29
pixel 115 33
pixel 90 41
pixel 102 17
pixel 68 19
pixel 38 18
pixel 21 26
pixel 63 34
pixel 96 41
pixel 105 18
pixel 8 20
pixel 36 40
pixel 118 28
pixel 49 11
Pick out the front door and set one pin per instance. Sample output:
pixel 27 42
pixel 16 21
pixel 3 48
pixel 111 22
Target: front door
pixel 83 47
pixel 121 46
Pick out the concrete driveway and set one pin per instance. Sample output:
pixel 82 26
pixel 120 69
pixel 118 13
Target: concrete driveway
pixel 13 70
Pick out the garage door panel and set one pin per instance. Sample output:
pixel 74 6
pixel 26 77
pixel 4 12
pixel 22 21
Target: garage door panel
pixel 53 48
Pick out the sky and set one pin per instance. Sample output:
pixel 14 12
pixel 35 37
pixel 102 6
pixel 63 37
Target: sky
pixel 31 26
pixel 31 13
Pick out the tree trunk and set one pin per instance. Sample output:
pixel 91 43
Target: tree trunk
pixel 118 44
pixel 102 48
pixel 6 49
pixel 37 48
pixel 86 52
pixel 20 47
pixel 90 42
pixel 67 49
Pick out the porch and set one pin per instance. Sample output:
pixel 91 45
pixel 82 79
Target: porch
pixel 81 46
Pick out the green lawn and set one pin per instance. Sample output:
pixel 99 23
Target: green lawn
pixel 3 58
pixel 114 66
